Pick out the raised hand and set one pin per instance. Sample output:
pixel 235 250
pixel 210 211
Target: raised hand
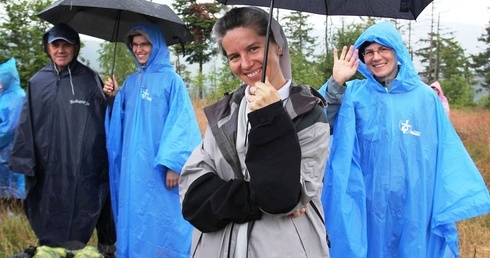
pixel 345 66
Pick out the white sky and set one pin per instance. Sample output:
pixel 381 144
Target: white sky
pixel 466 18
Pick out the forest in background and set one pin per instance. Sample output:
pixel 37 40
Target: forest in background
pixel 440 53
pixel 441 56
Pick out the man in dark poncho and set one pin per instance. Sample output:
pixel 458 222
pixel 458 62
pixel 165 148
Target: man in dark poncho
pixel 60 146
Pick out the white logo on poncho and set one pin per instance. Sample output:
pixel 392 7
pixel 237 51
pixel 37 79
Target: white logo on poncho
pixel 406 128
pixel 79 102
pixel 146 95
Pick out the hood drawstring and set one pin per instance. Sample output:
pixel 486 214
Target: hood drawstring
pixel 69 72
pixel 71 81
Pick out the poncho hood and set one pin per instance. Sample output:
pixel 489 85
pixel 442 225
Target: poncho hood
pixel 9 76
pixel 385 33
pixel 159 55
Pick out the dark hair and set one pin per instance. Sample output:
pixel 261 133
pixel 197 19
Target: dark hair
pixel 245 17
pixel 361 49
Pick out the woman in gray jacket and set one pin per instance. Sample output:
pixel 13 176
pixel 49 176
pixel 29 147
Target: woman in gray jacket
pixel 252 188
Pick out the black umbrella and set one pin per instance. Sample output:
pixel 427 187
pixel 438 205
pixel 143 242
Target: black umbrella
pixel 398 9
pixel 112 19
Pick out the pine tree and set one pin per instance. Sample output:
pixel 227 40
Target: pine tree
pixel 480 61
pixel 199 18
pixel 21 34
pixel 301 49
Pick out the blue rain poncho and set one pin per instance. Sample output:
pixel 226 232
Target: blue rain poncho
pixel 398 177
pixel 12 184
pixel 151 128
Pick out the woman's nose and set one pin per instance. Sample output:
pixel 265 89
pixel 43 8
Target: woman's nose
pixel 247 62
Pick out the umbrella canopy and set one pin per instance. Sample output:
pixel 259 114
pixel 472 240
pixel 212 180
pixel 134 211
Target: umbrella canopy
pixel 399 9
pixel 112 19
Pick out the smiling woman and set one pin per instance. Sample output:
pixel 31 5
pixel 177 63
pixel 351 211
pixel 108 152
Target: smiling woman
pixel 403 204
pixel 262 156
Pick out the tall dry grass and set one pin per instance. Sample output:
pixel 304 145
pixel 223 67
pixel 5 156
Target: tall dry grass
pixel 474 129
pixel 474 234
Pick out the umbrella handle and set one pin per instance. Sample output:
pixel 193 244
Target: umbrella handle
pixel 267 38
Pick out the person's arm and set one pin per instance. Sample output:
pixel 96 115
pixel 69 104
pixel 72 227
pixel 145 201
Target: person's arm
pixel 22 157
pixel 111 87
pixel 210 203
pixel 274 159
pixel 332 92
pixel 344 68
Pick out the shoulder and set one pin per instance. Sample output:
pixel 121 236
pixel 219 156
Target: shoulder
pixel 84 69
pixel 46 71
pixel 225 106
pixel 304 98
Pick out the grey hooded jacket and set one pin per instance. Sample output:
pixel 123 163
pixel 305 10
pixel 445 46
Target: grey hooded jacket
pixel 287 153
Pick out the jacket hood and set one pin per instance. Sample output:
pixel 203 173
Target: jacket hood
pixel 385 33
pixel 9 76
pixel 160 55
pixel 437 85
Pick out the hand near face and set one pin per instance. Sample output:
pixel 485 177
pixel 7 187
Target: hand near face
pixel 262 95
pixel 111 87
pixel 345 66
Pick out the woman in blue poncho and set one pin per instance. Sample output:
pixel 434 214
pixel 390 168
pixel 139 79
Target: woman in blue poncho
pixel 151 131
pixel 12 185
pixel 398 177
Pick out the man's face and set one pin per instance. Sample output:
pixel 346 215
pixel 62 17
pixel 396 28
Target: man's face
pixel 61 52
pixel 141 48
pixel 1 88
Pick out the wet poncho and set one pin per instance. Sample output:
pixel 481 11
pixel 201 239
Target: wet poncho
pixel 398 177
pixel 151 128
pixel 11 184
pixel 60 146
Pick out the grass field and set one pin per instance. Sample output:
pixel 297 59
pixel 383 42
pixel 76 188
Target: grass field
pixel 474 234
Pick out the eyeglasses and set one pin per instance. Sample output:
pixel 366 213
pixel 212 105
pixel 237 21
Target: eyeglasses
pixel 381 51
pixel 142 45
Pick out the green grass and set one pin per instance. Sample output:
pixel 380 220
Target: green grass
pixel 15 231
pixel 474 234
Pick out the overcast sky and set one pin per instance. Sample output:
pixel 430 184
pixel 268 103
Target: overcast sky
pixel 466 18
